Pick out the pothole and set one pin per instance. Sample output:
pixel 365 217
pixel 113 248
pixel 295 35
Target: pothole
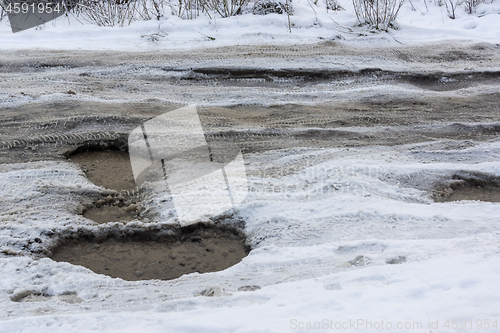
pixel 109 168
pixel 132 253
pixel 469 188
pixel 148 255
pixel 107 214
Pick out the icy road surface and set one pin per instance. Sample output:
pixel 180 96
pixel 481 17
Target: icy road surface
pixel 347 153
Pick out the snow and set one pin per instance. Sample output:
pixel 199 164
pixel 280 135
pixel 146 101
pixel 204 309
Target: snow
pixel 417 23
pixel 308 223
pixel 305 241
pixel 390 294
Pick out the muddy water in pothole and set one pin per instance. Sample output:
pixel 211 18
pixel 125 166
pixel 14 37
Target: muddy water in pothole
pixel 110 169
pixel 143 260
pixel 488 193
pixel 107 214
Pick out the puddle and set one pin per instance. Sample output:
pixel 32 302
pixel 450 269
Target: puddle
pixel 483 193
pixel 141 254
pixel 469 189
pixel 110 168
pixel 205 250
pixel 107 214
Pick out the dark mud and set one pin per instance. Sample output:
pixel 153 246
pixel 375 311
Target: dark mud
pixel 51 131
pixel 470 192
pixel 286 78
pixel 469 188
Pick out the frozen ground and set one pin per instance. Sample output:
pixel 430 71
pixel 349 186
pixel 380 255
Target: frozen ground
pixel 345 149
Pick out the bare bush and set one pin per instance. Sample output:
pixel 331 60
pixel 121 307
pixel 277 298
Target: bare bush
pixel 264 7
pixel 105 13
pixel 187 9
pixel 333 5
pixel 451 7
pixel 471 6
pixel 124 12
pixel 118 12
pixel 224 8
pixel 380 14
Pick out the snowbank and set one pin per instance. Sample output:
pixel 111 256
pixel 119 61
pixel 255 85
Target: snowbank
pixel 417 23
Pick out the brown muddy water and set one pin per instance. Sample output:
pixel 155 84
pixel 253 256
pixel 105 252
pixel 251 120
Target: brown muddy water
pixel 211 250
pixel 110 168
pixel 201 251
pixel 489 193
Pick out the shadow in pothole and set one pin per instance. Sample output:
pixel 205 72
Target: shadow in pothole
pixel 469 186
pixel 137 254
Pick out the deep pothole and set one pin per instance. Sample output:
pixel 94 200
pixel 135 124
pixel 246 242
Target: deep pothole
pixel 112 170
pixel 144 255
pixel 134 253
pixel 108 168
pixel 469 187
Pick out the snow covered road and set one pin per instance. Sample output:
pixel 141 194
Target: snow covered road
pixel 350 154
